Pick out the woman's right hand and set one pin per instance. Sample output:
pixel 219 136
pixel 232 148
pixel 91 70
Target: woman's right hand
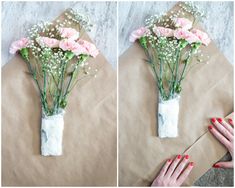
pixel 223 132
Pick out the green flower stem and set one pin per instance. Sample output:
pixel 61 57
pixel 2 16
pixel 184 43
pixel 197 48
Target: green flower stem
pixel 72 76
pixel 62 82
pixel 45 90
pixel 159 83
pixel 162 91
pixel 33 73
pixel 176 70
pixel 185 66
pixel 59 91
pixel 174 76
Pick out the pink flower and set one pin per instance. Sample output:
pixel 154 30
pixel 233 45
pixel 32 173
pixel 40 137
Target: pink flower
pixel 163 31
pixel 69 33
pixel 48 42
pixel 79 47
pixel 138 34
pixel 87 48
pixel 187 35
pixel 202 36
pixel 183 23
pixel 19 44
pixel 68 45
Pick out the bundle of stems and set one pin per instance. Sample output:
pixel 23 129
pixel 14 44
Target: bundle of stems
pixel 169 70
pixel 56 57
pixel 54 87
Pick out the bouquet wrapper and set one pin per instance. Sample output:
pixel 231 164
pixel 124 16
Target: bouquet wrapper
pixel 89 137
pixel 168 112
pixel 52 134
pixel 207 92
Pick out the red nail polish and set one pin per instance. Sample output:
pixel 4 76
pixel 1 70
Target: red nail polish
pixel 210 127
pixel 220 120
pixel 191 164
pixel 186 156
pixel 213 120
pixel 230 121
pixel 178 156
pixel 169 160
pixel 216 166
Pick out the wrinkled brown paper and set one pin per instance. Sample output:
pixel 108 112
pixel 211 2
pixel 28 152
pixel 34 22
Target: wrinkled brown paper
pixel 207 92
pixel 89 138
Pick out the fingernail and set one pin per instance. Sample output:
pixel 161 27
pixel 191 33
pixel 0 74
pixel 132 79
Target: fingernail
pixel 230 120
pixel 169 160
pixel 191 164
pixel 210 127
pixel 178 156
pixel 213 120
pixel 186 156
pixel 216 166
pixel 220 120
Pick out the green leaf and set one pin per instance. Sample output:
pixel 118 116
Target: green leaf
pixel 82 58
pixel 183 43
pixel 63 103
pixel 178 89
pixel 195 47
pixel 24 52
pixel 69 55
pixel 143 42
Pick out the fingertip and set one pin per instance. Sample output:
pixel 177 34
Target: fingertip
pixel 191 164
pixel 230 120
pixel 216 166
pixel 213 120
pixel 220 120
pixel 210 127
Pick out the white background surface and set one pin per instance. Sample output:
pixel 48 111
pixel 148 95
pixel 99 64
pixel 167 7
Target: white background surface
pixel 17 17
pixel 218 24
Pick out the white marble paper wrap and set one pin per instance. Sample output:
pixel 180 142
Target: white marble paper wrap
pixel 52 134
pixel 168 112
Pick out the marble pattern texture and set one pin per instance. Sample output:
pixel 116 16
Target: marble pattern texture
pixel 218 22
pixel 17 17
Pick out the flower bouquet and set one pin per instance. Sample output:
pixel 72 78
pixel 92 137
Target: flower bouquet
pixel 56 57
pixel 170 42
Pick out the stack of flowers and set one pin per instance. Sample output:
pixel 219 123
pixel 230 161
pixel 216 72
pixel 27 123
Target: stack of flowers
pixel 169 46
pixel 56 57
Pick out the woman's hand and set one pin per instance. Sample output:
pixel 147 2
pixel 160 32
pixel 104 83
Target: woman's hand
pixel 174 172
pixel 223 132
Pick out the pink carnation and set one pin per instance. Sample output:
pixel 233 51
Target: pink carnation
pixel 202 36
pixel 183 23
pixel 86 47
pixel 48 42
pixel 79 47
pixel 69 33
pixel 138 34
pixel 163 31
pixel 19 44
pixel 187 35
pixel 68 45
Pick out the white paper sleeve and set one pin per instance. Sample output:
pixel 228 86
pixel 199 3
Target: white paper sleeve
pixel 168 112
pixel 52 134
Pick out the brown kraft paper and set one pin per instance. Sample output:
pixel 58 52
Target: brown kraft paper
pixel 89 138
pixel 207 92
